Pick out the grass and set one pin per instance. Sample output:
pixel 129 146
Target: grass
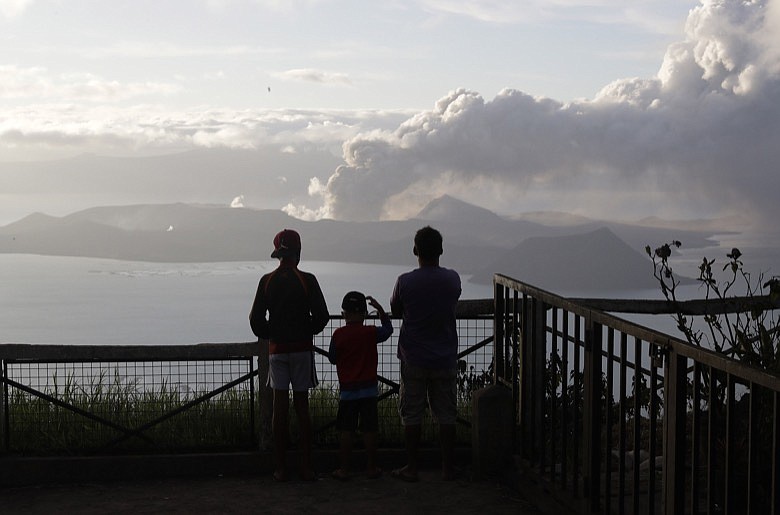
pixel 39 427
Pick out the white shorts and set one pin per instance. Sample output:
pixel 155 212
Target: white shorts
pixel 296 368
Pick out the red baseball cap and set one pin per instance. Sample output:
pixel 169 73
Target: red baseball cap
pixel 286 243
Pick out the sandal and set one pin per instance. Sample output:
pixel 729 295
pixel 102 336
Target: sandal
pixel 340 475
pixel 403 475
pixel 280 477
pixel 375 474
pixel 308 476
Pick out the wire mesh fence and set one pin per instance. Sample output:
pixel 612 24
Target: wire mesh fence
pixel 127 406
pixel 475 371
pixel 77 400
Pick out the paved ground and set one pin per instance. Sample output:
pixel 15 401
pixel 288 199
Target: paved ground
pixel 244 494
pixel 242 483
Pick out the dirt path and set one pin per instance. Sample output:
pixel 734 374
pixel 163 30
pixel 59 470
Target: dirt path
pixel 247 494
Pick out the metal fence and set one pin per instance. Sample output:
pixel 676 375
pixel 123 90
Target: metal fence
pixel 60 399
pixel 619 418
pixel 109 399
pixel 475 357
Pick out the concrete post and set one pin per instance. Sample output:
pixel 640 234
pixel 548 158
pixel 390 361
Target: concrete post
pixel 491 430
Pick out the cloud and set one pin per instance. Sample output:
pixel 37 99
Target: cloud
pixel 238 201
pixel 13 8
pixel 143 128
pixel 314 75
pixel 38 83
pixel 701 135
pixel 141 50
pixel 639 14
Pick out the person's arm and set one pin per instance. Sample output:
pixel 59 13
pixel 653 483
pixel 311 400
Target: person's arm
pixel 317 307
pixel 257 315
pixel 386 329
pixel 332 355
pixel 396 306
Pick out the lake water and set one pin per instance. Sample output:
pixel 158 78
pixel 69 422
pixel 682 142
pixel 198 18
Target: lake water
pixel 63 300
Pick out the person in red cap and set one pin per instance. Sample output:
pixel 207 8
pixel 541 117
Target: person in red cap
pixel 289 309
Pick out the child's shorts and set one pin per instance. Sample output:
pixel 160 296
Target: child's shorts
pixel 358 410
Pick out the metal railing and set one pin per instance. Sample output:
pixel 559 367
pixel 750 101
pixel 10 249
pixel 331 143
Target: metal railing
pixel 619 418
pixel 74 399
pixel 59 399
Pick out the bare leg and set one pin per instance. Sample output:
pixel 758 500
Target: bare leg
pixel 280 425
pixel 447 437
pixel 413 434
pixel 369 440
pixel 345 452
pixel 301 403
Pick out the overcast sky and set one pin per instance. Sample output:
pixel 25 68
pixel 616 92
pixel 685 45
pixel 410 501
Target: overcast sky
pixel 599 107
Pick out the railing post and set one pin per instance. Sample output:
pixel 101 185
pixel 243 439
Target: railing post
pixel 537 367
pixel 499 319
pixel 3 396
pixel 592 416
pixel 675 392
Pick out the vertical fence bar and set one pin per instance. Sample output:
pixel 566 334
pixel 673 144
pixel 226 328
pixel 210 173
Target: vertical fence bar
pixel 518 339
pixel 653 427
pixel 753 422
pixel 730 437
pixel 517 342
pixel 610 421
pixel 499 316
pixel 622 425
pixel 775 459
pixel 638 381
pixel 4 429
pixel 554 369
pixel 576 429
pixel 564 397
pixel 526 370
pixel 696 438
pixel 674 433
pixel 712 431
pixel 538 353
pixel 592 415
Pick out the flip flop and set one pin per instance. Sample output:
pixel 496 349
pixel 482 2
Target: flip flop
pixel 308 476
pixel 376 474
pixel 339 475
pixel 280 477
pixel 404 476
pixel 452 475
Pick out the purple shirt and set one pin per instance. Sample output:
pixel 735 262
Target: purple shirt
pixel 426 299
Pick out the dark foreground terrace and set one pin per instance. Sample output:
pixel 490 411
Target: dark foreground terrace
pixel 246 491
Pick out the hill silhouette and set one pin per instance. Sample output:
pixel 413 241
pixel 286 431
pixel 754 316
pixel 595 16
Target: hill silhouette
pixel 476 241
pixel 592 261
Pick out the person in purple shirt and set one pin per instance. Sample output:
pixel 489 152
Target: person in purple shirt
pixel 425 300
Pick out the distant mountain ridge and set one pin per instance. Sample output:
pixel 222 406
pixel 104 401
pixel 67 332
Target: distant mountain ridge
pixel 592 261
pixel 476 241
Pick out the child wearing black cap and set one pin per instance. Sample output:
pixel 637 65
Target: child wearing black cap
pixel 353 349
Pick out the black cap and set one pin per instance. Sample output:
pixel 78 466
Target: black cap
pixel 354 302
